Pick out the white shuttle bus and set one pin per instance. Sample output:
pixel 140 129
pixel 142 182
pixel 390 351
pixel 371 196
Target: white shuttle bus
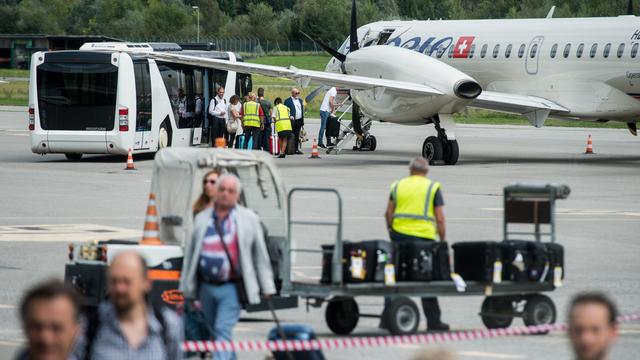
pixel 102 100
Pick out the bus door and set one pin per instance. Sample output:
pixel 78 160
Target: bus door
pixel 144 102
pixel 184 86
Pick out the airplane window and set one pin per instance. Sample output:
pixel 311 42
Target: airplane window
pixel 634 50
pixel 620 50
pixel 534 51
pixel 567 50
pixel 594 49
pixel 580 51
pixel 441 50
pixel 607 49
pixel 496 50
pixel 483 52
pixel 554 50
pixel 472 50
pixel 507 52
pixel 521 51
pixel 451 51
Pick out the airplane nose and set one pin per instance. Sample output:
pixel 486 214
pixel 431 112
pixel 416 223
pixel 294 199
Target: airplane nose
pixel 467 89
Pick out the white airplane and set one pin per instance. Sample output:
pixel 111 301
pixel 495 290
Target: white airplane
pixel 422 72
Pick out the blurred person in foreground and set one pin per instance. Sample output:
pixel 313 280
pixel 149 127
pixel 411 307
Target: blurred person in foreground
pixel 127 325
pixel 226 264
pixel 207 197
pixel 50 314
pixel 593 326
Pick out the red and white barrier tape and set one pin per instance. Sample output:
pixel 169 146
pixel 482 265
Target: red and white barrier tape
pixel 375 341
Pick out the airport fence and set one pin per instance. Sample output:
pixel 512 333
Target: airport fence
pixel 250 46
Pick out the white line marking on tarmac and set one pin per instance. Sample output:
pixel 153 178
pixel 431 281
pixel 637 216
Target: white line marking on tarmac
pixel 584 212
pixel 487 355
pixel 64 233
pixel 7 306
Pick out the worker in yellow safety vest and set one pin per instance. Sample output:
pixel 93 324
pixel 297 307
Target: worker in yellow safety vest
pixel 252 121
pixel 415 213
pixel 283 125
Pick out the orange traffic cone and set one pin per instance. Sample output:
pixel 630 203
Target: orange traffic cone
pixel 589 146
pixel 221 142
pixel 314 150
pixel 151 233
pixel 130 161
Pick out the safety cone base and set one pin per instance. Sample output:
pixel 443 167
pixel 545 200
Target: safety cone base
pixel 130 161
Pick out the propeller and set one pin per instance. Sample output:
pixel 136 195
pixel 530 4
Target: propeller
pixel 353 46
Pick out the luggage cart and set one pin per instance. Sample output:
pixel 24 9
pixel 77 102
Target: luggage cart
pixel 528 204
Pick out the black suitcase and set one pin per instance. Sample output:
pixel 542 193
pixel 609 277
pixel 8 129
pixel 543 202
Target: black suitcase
pixel 375 254
pixel 524 261
pixel 333 127
pixel 422 260
pixel 555 253
pixel 474 260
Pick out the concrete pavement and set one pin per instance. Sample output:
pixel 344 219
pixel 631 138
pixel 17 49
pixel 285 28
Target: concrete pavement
pixel 598 224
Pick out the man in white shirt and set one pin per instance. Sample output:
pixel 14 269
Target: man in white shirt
pixel 326 109
pixel 218 112
pixel 296 109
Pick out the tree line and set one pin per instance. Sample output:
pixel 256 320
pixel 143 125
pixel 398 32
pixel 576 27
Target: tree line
pixel 138 20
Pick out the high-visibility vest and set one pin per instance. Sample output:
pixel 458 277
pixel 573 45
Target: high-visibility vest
pixel 281 114
pixel 251 110
pixel 414 213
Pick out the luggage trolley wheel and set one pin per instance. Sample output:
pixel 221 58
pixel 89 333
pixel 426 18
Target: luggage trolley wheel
pixel 342 315
pixel 539 310
pixel 497 311
pixel 401 316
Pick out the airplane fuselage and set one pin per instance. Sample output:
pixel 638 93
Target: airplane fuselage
pixel 591 66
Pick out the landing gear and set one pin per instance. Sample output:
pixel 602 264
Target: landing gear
pixel 443 147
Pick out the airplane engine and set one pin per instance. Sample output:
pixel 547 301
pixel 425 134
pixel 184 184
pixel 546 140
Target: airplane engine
pixel 389 62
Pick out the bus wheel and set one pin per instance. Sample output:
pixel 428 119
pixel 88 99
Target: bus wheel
pixel 164 136
pixel 73 156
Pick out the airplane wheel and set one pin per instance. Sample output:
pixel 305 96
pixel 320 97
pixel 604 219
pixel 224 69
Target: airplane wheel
pixel 432 149
pixel 373 143
pixel 451 152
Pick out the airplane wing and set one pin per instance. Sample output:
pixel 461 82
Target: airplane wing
pixel 535 109
pixel 303 77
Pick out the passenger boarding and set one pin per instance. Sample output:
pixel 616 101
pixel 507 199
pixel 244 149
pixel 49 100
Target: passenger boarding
pixel 422 72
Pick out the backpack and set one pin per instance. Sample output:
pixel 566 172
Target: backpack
pixel 93 324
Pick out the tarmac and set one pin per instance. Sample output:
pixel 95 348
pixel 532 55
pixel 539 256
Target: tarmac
pixel 48 201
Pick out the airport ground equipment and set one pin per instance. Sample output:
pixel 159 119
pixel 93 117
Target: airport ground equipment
pixel 504 300
pixel 176 183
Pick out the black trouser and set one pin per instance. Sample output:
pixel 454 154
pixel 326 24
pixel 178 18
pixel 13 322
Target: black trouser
pixel 231 137
pixel 266 133
pixel 297 125
pixel 218 128
pixel 251 132
pixel 430 305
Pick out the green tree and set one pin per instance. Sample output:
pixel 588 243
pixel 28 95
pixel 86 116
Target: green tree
pixel 167 20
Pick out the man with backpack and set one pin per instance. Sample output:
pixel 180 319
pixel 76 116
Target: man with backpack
pixel 127 325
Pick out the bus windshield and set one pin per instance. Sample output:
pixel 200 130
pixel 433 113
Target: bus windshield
pixel 77 96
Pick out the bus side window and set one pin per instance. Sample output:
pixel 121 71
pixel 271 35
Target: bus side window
pixel 243 85
pixel 143 96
